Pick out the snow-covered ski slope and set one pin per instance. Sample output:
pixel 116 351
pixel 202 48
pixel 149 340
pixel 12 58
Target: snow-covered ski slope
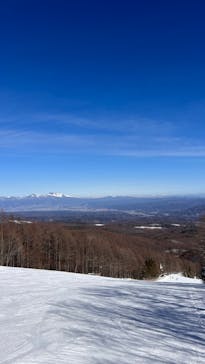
pixel 54 317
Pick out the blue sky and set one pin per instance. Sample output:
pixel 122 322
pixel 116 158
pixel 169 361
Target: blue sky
pixel 102 97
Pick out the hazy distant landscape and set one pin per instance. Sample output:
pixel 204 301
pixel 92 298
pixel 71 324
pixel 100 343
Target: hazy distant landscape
pixel 127 237
pixel 60 207
pixel 124 236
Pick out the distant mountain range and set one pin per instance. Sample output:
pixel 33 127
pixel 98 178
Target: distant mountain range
pixel 55 201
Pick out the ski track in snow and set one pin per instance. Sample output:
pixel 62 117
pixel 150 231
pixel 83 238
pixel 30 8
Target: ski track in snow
pixel 49 317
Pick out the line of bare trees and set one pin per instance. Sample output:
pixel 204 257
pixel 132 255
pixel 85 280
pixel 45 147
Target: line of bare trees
pixel 55 246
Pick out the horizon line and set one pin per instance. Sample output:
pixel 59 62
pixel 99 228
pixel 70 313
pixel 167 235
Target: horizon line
pixel 65 195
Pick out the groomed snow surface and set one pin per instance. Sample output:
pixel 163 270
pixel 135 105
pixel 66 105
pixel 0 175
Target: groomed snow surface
pixel 55 317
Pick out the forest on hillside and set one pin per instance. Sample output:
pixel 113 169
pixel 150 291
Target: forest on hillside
pixel 90 250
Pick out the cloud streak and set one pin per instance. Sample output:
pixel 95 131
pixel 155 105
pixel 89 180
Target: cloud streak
pixel 99 144
pixel 104 123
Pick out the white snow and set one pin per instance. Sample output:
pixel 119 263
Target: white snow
pixel 50 194
pixel 178 277
pixel 149 227
pixel 21 221
pixel 49 317
pixel 55 194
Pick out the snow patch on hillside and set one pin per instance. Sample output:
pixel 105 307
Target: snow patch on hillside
pixel 178 277
pixel 149 227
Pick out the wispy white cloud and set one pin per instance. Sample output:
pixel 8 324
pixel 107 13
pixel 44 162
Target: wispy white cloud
pixel 104 123
pixel 30 139
pixel 183 152
pixel 127 145
pixel 113 123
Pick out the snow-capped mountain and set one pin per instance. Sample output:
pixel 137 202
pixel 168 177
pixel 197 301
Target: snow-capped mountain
pixel 57 194
pixel 148 205
pixel 50 201
pixel 50 194
pixel 35 195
